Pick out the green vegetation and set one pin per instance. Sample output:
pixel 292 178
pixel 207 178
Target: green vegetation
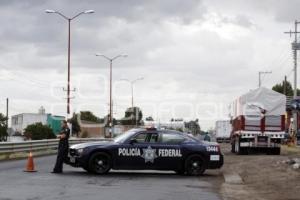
pixel 3 128
pixel 38 131
pixel 89 116
pixel 193 127
pixel 75 124
pixel 289 89
pixel 133 115
pixel 150 119
pixel 84 134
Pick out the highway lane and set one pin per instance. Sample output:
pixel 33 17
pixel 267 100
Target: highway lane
pixel 76 184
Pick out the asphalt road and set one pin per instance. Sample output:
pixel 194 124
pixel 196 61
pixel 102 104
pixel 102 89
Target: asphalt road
pixel 76 184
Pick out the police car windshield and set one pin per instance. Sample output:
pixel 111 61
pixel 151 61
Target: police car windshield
pixel 123 137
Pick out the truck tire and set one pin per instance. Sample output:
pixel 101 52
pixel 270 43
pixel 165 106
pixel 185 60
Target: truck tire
pixel 275 151
pixel 232 148
pixel 237 146
pixel 243 151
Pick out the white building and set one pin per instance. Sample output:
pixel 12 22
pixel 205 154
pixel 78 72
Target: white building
pixel 21 121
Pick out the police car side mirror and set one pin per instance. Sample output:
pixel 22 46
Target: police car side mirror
pixel 132 141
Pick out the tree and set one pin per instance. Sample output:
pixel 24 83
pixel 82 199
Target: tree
pixel 75 124
pixel 38 131
pixel 105 120
pixel 133 116
pixel 193 126
pixel 150 119
pixel 89 116
pixel 3 128
pixel 289 89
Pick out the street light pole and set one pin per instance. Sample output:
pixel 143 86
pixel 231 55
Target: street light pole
pixel 131 83
pixel 69 48
pixel 110 118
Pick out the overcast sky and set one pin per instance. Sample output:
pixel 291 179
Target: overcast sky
pixel 196 56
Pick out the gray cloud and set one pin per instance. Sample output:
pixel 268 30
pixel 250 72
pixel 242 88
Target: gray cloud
pixel 184 56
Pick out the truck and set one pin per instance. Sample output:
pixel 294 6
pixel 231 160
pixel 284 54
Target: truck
pixel 258 122
pixel 223 130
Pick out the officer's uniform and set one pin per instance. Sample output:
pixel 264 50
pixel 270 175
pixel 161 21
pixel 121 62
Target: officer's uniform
pixel 62 154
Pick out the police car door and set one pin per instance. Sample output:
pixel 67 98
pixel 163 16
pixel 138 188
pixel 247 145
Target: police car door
pixel 168 150
pixel 130 154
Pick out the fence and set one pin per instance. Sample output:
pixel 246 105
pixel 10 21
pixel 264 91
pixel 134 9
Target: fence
pixel 39 145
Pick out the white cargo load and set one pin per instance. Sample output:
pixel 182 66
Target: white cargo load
pixel 256 101
pixel 258 121
pixel 223 130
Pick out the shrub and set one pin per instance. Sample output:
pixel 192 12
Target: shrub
pixel 38 131
pixel 84 134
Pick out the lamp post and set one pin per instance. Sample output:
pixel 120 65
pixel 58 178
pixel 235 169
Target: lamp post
pixel 110 118
pixel 131 83
pixel 69 46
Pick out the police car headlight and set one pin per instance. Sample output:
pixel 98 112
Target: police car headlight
pixel 79 151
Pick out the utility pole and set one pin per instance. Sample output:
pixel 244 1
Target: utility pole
pixel 295 47
pixel 6 118
pixel 259 76
pixel 284 86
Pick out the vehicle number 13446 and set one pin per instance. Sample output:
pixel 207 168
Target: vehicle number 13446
pixel 212 149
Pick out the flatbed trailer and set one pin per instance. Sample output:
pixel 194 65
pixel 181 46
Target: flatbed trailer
pixel 258 122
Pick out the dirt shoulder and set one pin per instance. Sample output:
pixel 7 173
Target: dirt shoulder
pixel 261 176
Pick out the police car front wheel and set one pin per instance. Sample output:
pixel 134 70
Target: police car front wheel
pixel 100 163
pixel 195 165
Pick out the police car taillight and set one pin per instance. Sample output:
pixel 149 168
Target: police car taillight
pixel 219 148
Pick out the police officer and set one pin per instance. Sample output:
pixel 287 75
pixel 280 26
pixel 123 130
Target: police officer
pixel 63 148
pixel 206 138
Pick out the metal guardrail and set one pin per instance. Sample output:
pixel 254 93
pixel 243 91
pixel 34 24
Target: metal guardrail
pixel 36 145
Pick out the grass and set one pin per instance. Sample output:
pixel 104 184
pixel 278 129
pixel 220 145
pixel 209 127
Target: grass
pixel 22 155
pixel 290 150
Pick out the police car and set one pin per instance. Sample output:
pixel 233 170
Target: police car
pixel 148 149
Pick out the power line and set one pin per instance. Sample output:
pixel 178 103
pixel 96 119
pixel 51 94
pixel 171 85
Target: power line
pixel 259 76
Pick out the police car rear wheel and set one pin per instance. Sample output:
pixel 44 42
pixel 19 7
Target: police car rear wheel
pixel 194 165
pixel 100 163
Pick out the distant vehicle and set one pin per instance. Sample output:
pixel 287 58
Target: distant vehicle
pixel 223 130
pixel 141 149
pixel 258 121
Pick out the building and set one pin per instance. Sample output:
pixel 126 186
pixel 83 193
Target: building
pixel 54 122
pixel 21 121
pixel 91 129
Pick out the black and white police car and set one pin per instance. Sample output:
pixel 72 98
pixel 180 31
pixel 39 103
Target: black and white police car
pixel 148 149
